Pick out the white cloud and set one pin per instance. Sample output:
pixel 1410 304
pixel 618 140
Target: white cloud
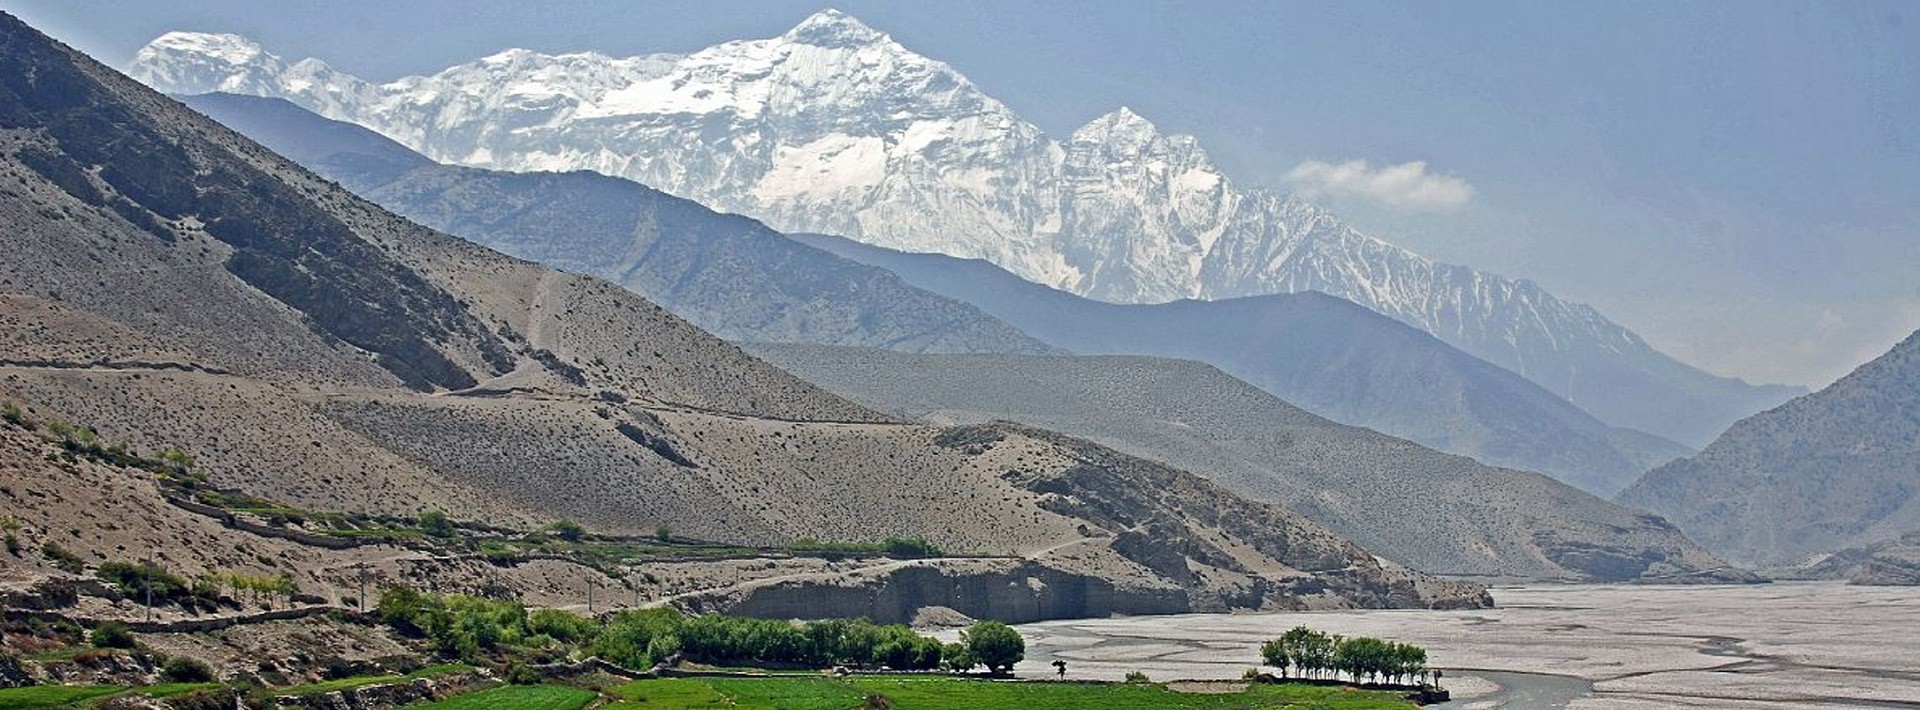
pixel 1407 186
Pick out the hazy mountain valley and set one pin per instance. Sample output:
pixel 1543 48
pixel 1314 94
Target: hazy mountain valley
pixel 1332 357
pixel 547 381
pixel 835 128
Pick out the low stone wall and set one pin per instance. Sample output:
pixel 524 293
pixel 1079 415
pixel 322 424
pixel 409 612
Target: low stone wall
pixel 229 519
pixel 216 623
pixel 199 625
pixel 593 664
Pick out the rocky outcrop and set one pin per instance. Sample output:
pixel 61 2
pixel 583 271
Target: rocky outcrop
pixel 12 673
pixel 1893 562
pixel 1024 591
pixel 383 696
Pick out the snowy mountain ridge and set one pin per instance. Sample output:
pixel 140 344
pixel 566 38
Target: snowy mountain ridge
pixel 834 127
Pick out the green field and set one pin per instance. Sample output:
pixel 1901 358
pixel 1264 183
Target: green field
pixel 357 681
pixel 518 697
pixel 168 690
pixel 807 693
pixel 52 696
pixel 938 693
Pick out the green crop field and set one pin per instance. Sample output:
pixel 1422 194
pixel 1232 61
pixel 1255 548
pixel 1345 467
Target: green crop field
pixel 937 693
pixel 518 697
pixel 52 696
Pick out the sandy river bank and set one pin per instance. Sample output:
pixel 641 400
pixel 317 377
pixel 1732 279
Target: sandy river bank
pixel 1771 647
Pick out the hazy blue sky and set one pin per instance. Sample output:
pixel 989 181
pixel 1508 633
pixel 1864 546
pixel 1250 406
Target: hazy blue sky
pixel 1737 181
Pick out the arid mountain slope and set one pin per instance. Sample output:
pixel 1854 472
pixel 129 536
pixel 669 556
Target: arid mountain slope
pixel 757 285
pixel 1836 468
pixel 1418 507
pixel 1327 355
pixel 170 283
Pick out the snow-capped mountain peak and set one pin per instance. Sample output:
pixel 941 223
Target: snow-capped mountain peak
pixel 833 28
pixel 834 127
pixel 230 48
pixel 1122 120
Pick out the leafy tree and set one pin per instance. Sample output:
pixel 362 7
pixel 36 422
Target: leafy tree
pixel 436 524
pixel 911 547
pixel 561 626
pixel 181 669
pixel 1406 660
pixel 1301 648
pixel 1314 650
pixel 136 579
pixel 112 634
pixel 1363 659
pixel 1277 653
pixel 403 608
pixel 178 459
pixel 957 657
pixel 568 530
pixel 628 638
pixel 995 645
pixel 62 559
pixel 469 628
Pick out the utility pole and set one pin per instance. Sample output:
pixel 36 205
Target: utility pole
pixel 362 599
pixel 589 597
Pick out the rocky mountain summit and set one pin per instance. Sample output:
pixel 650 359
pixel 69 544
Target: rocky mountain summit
pixel 836 128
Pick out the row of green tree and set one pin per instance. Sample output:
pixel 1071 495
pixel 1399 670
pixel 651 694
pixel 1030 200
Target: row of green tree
pixel 1315 654
pixel 141 581
pixel 476 630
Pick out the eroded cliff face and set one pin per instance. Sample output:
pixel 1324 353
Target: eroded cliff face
pixel 1008 590
pixel 1020 591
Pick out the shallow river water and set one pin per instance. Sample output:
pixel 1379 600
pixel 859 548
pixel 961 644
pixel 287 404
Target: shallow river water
pixel 1770 647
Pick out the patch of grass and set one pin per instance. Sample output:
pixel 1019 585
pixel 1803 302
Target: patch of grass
pixel 327 686
pixel 64 655
pixel 168 690
pixel 517 697
pixel 668 693
pixel 943 693
pixel 814 693
pixel 52 696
